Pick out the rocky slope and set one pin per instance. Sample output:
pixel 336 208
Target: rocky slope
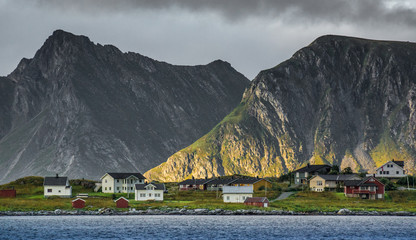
pixel 340 100
pixel 80 109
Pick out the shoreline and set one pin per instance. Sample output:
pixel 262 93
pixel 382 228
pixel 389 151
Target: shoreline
pixel 191 212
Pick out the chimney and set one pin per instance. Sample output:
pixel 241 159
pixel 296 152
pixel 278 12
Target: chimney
pixel 56 175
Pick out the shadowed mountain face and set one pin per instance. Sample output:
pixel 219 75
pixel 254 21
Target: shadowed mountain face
pixel 341 100
pixel 81 109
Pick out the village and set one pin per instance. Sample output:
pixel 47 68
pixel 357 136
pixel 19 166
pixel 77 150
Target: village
pixel 312 188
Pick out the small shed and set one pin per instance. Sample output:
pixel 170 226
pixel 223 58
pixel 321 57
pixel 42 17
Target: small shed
pixel 122 202
pixel 78 203
pixel 9 193
pixel 257 201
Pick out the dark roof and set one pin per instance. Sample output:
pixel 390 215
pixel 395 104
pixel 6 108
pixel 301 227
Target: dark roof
pixel 55 181
pixel 360 182
pixel 340 177
pixel 352 182
pixel 247 180
pixel 195 181
pixel 256 200
pixel 312 168
pixel 126 175
pixel 223 181
pixel 400 163
pixel 158 186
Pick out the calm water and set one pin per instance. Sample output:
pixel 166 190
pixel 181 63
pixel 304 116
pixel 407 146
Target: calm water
pixel 207 227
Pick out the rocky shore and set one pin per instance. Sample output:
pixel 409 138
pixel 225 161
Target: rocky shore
pixel 184 211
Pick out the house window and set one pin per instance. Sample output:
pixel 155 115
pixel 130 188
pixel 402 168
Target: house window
pixel 118 188
pixel 244 197
pixel 150 194
pixel 105 188
pixel 49 189
pixel 59 191
pixel 118 180
pixel 388 172
pixel 228 197
pixel 157 194
pixel 131 188
pixel 105 181
pixel 319 183
pixel 142 194
pixel 397 172
pixel 131 181
pixel 381 172
pixel 109 188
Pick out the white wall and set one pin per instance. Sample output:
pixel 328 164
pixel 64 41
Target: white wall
pixel 236 197
pixel 148 195
pixel 57 191
pixel 112 186
pixel 394 171
pixel 107 184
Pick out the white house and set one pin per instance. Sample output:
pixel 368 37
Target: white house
pixel 236 194
pixel 57 186
pixel 120 182
pixel 151 191
pixel 391 169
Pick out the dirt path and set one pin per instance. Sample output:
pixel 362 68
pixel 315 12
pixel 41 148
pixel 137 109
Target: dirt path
pixel 282 196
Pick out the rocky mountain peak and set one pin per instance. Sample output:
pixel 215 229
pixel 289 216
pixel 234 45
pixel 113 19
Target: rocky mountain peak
pixel 340 100
pixel 81 109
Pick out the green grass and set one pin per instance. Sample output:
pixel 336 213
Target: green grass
pixel 330 201
pixel 30 198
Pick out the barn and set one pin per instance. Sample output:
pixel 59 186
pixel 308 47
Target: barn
pixel 10 193
pixel 257 201
pixel 122 202
pixel 78 203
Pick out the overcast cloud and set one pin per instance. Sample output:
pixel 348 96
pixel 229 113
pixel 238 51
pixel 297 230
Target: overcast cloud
pixel 251 35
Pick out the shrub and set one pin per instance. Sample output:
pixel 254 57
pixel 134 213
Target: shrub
pixel 388 185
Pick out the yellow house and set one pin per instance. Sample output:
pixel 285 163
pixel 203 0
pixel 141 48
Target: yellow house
pixel 257 183
pixel 320 183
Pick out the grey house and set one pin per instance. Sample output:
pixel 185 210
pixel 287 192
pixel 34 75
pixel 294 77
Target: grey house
pixel 302 174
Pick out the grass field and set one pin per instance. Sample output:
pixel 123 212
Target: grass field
pixel 30 198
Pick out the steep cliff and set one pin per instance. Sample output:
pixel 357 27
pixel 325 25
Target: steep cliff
pixel 80 109
pixel 340 100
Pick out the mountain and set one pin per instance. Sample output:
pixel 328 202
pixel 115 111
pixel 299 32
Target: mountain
pixel 340 100
pixel 81 109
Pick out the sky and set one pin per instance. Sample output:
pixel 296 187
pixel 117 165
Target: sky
pixel 252 35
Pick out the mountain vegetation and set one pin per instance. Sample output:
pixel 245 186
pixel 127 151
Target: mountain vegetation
pixel 345 101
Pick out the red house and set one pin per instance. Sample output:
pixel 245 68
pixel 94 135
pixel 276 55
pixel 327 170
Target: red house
pixel 257 201
pixel 78 203
pixel 11 193
pixel 122 202
pixel 369 188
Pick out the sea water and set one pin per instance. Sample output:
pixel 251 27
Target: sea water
pixel 207 227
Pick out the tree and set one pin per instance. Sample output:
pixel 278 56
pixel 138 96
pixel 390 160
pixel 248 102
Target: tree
pixel 347 170
pixel 388 186
pixel 334 170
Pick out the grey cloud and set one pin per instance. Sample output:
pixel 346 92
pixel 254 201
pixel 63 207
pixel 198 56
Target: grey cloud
pixel 336 11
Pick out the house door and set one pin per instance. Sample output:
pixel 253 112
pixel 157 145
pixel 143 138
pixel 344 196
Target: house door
pixel 266 204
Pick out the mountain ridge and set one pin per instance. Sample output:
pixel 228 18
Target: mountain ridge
pixel 80 109
pixel 339 100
